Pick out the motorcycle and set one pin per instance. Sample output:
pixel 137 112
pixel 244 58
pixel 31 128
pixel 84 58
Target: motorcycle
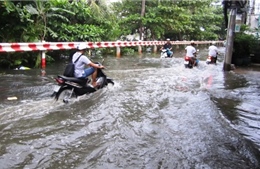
pixel 72 87
pixel 188 63
pixel 211 60
pixel 164 53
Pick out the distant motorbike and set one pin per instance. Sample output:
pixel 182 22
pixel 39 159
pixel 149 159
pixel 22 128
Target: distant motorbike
pixel 69 87
pixel 188 63
pixel 211 60
pixel 164 53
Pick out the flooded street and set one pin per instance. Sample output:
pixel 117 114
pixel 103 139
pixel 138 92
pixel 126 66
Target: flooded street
pixel 158 115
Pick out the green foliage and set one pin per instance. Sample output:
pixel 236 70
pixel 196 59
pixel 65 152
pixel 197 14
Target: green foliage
pixel 78 32
pixel 24 21
pixel 128 51
pixel 13 21
pixel 244 44
pixel 13 60
pixel 179 20
pixel 54 20
pixel 93 20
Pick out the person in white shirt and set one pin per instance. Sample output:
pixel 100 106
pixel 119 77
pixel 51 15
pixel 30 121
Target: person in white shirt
pixel 80 70
pixel 191 52
pixel 213 50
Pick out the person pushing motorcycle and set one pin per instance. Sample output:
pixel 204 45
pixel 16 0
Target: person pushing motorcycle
pixel 80 70
pixel 191 52
pixel 168 47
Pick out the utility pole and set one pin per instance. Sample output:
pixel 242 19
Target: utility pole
pixel 230 37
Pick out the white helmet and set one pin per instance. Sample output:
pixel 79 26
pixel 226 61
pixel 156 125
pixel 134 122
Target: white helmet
pixel 213 43
pixel 168 39
pixel 82 46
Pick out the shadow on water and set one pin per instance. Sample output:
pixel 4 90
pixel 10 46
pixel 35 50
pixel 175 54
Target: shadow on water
pixel 157 115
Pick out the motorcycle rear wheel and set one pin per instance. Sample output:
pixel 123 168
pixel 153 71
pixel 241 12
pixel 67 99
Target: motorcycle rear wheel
pixel 65 95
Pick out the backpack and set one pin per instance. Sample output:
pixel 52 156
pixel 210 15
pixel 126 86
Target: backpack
pixel 70 68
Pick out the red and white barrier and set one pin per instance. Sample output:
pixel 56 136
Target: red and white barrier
pixel 45 46
pixel 38 46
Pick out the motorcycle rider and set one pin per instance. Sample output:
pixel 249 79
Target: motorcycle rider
pixel 168 47
pixel 191 52
pixel 213 51
pixel 80 70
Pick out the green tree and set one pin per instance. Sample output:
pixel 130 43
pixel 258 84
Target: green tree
pixel 175 19
pixel 42 13
pixel 15 28
pixel 92 22
pixel 30 19
pixel 54 20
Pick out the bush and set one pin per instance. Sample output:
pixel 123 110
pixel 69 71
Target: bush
pixel 244 45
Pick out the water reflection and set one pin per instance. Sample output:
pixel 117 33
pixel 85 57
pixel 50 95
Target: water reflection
pixel 239 101
pixel 234 81
pixel 225 103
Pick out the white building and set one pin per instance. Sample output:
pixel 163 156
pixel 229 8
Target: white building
pixel 253 14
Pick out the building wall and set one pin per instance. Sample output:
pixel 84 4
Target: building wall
pixel 253 21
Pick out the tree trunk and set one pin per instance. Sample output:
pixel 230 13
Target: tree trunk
pixel 141 30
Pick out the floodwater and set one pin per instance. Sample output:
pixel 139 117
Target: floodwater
pixel 158 115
